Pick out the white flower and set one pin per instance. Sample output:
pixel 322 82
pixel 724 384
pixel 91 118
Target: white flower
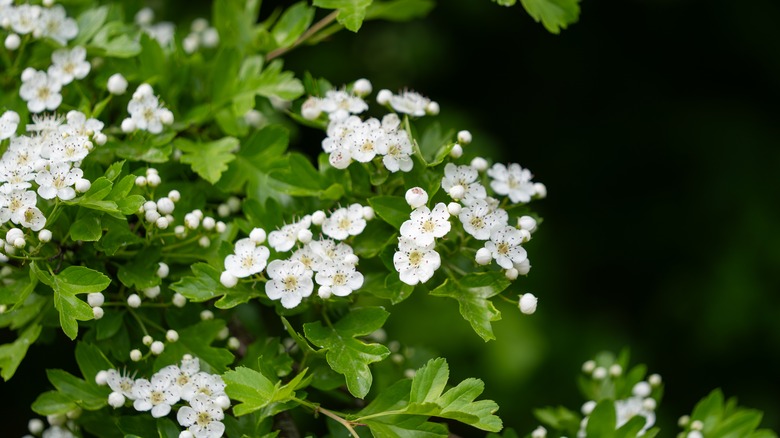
pixel 41 91
pixel 69 64
pixel 182 376
pixel 249 259
pixel 410 102
pixel 57 432
pixel 479 219
pixel 339 104
pixel 464 137
pixel 210 385
pixel 146 112
pixel 284 239
pixel 424 225
pixel 55 24
pixel 202 418
pixel 58 181
pixel 8 124
pixel 513 181
pixel 157 395
pixel 630 408
pixel 290 281
pixel 415 264
pixel 465 176
pixel 363 139
pixel 342 278
pixel 14 205
pixel 163 32
pixel 24 18
pixel 308 257
pixel 395 146
pixel 329 250
pixel 345 222
pixel 120 383
pixel 362 87
pixel 504 246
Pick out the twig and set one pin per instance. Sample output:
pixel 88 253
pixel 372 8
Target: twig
pixel 306 35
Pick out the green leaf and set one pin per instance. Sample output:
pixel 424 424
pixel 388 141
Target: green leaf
pixel 90 397
pixel 234 20
pixel 559 418
pixel 205 285
pixel 73 281
pixel 140 272
pixel 399 10
pixel 292 24
pixel 393 426
pixel 554 14
pixel 299 178
pixel 91 360
pixel 392 209
pixel 167 428
pixel 429 382
pixel 602 421
pixel 472 293
pixel 256 391
pixel 209 160
pixel 196 340
pixel 347 355
pixel 273 82
pixel 89 22
pixel 11 355
pixel 53 403
pixel 86 229
pixel 351 12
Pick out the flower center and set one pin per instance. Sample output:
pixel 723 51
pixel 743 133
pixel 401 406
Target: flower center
pixel 428 226
pixel 339 279
pixel 203 419
pixel 290 283
pixel 157 397
pixel 503 248
pixel 477 222
pixel 415 258
pixel 43 93
pixel 345 223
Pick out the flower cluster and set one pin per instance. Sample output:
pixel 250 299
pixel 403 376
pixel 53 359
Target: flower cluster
pixel 408 102
pixel 50 21
pixel 201 35
pixel 483 217
pixel 146 112
pixel 326 261
pixel 44 164
pixel 41 89
pixel 204 393
pixel 416 260
pixel 162 32
pixel 349 138
pixel 642 401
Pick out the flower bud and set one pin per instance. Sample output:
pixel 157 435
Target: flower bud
pixel 222 401
pixel 697 425
pixel 117 84
pixel 153 180
pixel 457 192
pixel 172 336
pixel 209 223
pixel 95 299
pixel 162 270
pixel 464 137
pixel 35 426
pixel 135 355
pixel 127 126
pixel 524 267
pixel 233 343
pixel 588 407
pixel 641 389
pixel 116 399
pixel 351 259
pixel 206 315
pixel 228 280
pixel 324 292
pixel 186 434
pixel 101 378
pixel 416 197
pixel 483 256
pixel 527 223
pixel 454 208
pixel 384 96
pixel 304 236
pixel 12 42
pixel 318 217
pixel 20 243
pixel 683 421
pixel 456 151
pixel 527 303
pixel 649 404
pixel 362 87
pixel 368 213
pixel 204 242
pixel 310 109
pixel 157 348
pixel 44 235
pixel 134 301
pixel 100 139
pixel 257 235
pixel 540 190
pixel 654 380
pixel 511 274
pixel 539 432
pixel 600 373
pixel 162 223
pixel 588 367
pixel 151 216
pixel 140 181
pixel 152 292
pixel 220 227
pixel 694 434
pixel 479 163
pixel 56 419
pixel 615 370
pixel 179 300
pixel 147 340
pixel 432 108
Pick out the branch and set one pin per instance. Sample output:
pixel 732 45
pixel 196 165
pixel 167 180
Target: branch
pixel 306 35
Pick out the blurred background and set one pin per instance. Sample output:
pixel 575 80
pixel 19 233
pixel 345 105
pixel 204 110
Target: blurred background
pixel 656 127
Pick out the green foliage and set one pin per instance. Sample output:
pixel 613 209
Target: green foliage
pixel 472 293
pixel 553 14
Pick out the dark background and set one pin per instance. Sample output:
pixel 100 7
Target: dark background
pixel 654 125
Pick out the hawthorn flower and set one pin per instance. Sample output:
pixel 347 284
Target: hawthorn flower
pixel 9 121
pixel 480 219
pixel 203 418
pixel 182 376
pixel 504 245
pixel 289 281
pixel 396 150
pixel 14 205
pixel 284 239
pixel 120 383
pixel 40 90
pixel 55 24
pixel 156 395
pixel 146 112
pixel 412 103
pixel 202 383
pixel 78 124
pixel 58 181
pixel 425 225
pixel 363 139
pixel 339 104
pixel 329 250
pixel 24 18
pixel 466 177
pixel 69 64
pixel 33 219
pixel 308 257
pixel 415 264
pixel 342 278
pixel 345 222
pixel 249 259
pixel 513 181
